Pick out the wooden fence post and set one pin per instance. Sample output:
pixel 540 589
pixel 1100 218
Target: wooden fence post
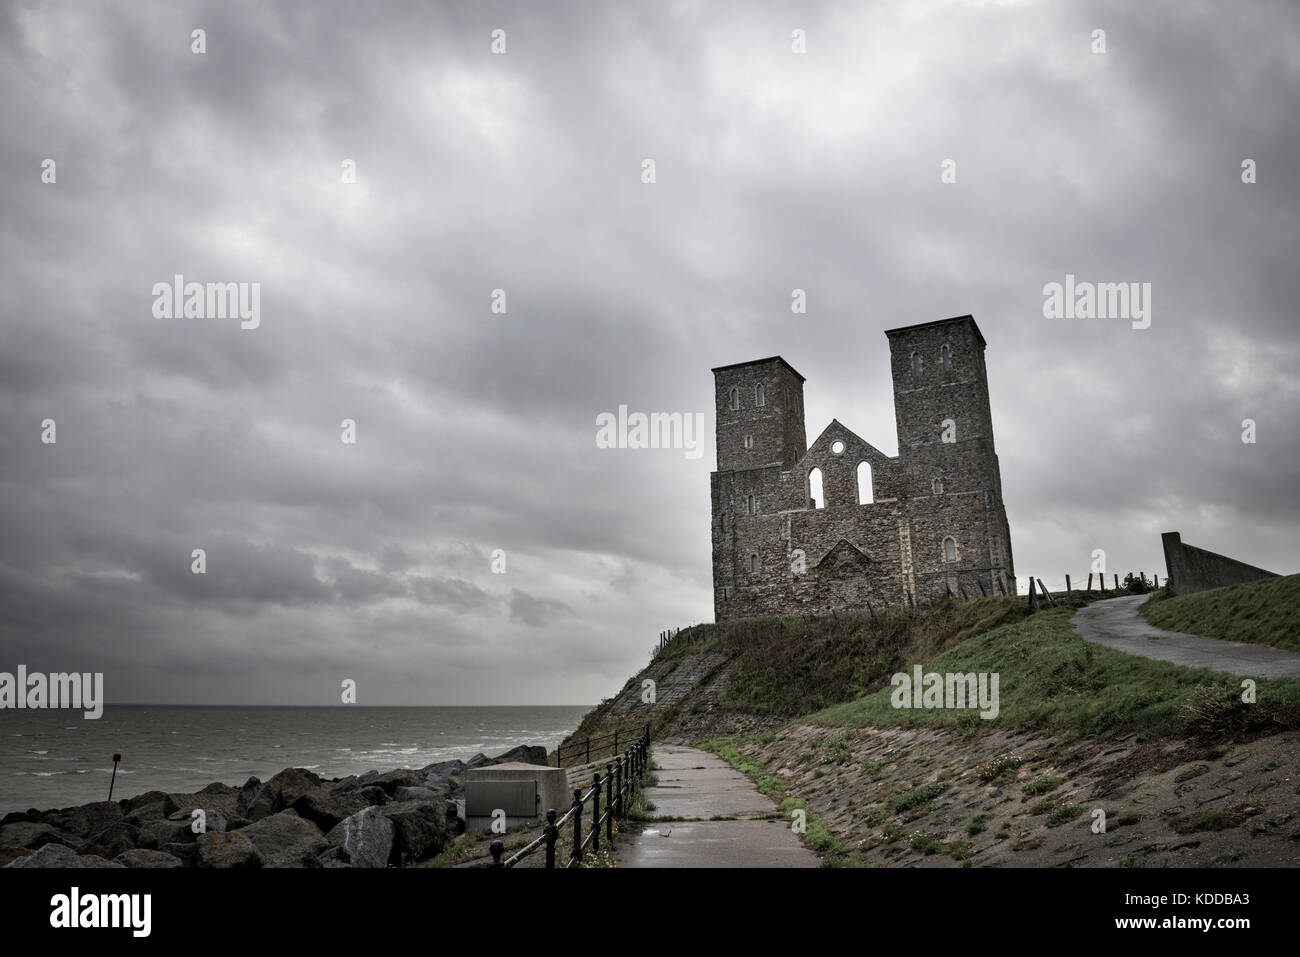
pixel 1089 583
pixel 1033 599
pixel 1069 593
pixel 1046 593
pixel 1117 582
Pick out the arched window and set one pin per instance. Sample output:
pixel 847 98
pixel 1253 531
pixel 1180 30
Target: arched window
pixel 865 494
pixel 946 354
pixel 735 398
pixel 760 397
pixel 753 564
pixel 949 549
pixel 937 485
pixel 816 493
pixel 749 441
pixel 916 364
pixel 751 505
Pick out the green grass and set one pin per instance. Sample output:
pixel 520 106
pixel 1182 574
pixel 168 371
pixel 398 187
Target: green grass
pixel 787 666
pixel 1041 786
pixel 1266 612
pixel 919 796
pixel 1209 820
pixel 1050 679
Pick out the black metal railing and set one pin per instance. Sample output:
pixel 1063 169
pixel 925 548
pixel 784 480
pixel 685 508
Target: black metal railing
pixel 590 749
pixel 620 784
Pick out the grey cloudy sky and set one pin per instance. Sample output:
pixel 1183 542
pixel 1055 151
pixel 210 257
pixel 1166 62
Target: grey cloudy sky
pixel 522 171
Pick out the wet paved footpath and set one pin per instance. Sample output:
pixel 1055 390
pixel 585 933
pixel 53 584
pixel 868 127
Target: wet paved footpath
pixel 696 784
pixel 1115 623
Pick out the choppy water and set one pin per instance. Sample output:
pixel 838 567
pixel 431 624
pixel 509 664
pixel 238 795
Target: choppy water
pixel 54 759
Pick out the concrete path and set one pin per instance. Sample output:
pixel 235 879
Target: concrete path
pixel 1115 623
pixel 696 784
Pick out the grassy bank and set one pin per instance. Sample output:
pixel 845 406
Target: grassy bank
pixel 1052 680
pixel 1266 612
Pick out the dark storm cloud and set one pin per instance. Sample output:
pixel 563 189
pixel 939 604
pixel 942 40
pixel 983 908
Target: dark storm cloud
pixel 475 544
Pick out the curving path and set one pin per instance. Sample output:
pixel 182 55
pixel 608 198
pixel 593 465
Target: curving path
pixel 1115 623
pixel 697 785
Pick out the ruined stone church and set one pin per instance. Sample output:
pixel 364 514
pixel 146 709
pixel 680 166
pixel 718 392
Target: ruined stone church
pixel 838 524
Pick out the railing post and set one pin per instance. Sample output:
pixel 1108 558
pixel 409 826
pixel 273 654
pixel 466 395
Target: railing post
pixel 595 811
pixel 609 806
pixel 576 854
pixel 552 833
pixel 588 761
pixel 616 741
pixel 618 785
pixel 496 847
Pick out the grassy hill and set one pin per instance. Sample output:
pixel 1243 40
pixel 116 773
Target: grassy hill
pixel 766 670
pixel 1052 680
pixel 1266 612
pixel 744 676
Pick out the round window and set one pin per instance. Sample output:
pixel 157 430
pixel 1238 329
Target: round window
pixel 837 447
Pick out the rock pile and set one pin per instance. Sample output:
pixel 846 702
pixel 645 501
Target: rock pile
pixel 295 819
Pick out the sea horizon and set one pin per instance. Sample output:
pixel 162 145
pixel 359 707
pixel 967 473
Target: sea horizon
pixel 56 758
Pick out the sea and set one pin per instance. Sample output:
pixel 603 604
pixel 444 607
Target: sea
pixel 54 758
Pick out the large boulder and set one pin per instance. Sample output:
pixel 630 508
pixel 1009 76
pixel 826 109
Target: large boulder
pixel 365 838
pixel 479 760
pixel 420 830
pixel 144 800
pixel 321 809
pixel 46 856
pixel 187 854
pixel 431 794
pixel 156 811
pixel 167 832
pixel 442 770
pixel 85 820
pixel 115 839
pixel 524 753
pixel 32 835
pixel 216 788
pixel 286 840
pixel 142 857
pixel 277 794
pixel 8 854
pixel 231 850
pixel 213 820
pixel 390 781
pixel 32 816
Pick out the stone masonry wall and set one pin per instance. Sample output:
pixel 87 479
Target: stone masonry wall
pixel 883 543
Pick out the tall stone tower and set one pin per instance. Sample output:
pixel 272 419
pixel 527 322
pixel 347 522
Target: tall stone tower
pixel 945 439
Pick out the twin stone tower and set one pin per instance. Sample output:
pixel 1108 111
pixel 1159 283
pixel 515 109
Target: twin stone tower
pixel 838 524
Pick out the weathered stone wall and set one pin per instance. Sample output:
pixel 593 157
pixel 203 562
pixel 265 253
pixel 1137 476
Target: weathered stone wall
pixel 884 546
pixel 1191 569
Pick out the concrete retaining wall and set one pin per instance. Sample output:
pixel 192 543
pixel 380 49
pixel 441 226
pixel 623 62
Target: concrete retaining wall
pixel 1191 569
